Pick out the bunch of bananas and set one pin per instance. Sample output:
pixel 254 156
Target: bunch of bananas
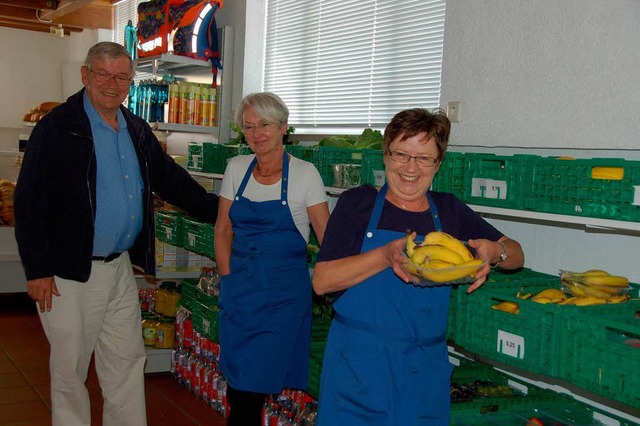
pixel 441 258
pixel 594 286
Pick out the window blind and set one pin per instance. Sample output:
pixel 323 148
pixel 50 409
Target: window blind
pixel 353 63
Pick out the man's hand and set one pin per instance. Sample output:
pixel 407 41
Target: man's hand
pixel 42 290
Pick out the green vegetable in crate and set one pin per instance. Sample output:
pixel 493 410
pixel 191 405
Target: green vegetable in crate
pixel 371 139
pixel 341 141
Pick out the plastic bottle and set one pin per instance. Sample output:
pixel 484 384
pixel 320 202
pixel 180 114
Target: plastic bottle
pixel 197 104
pixel 190 104
pixel 213 106
pixel 173 103
pixel 182 103
pixel 205 106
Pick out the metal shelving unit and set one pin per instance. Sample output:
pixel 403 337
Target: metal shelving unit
pixel 186 67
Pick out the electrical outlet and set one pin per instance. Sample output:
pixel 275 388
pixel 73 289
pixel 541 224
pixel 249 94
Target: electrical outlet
pixel 453 111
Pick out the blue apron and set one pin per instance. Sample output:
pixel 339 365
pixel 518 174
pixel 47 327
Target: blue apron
pixel 265 302
pixel 386 360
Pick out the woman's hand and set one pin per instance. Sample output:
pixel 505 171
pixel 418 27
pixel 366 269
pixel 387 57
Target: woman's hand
pixel 481 278
pixel 392 255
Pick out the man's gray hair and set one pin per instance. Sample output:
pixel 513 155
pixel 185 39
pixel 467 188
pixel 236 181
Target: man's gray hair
pixel 108 49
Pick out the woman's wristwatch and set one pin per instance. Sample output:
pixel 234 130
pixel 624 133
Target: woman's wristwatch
pixel 503 254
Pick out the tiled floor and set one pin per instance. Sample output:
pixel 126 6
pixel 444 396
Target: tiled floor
pixel 24 378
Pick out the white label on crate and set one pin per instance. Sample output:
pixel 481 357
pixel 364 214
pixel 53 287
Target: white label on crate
pixel 206 325
pixel 605 420
pixel 510 344
pixel 522 388
pixel 379 177
pixel 169 233
pixel 636 195
pixel 192 239
pixel 489 188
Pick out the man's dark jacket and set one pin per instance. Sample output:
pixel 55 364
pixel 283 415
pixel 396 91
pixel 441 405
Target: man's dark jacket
pixel 55 196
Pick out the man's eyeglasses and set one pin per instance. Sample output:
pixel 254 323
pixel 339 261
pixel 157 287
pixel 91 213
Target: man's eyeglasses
pixel 401 157
pixel 104 77
pixel 260 127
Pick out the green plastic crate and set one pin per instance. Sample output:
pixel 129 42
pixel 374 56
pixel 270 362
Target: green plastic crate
pixel 168 226
pixel 202 157
pixel 528 340
pixel 226 152
pixel 596 353
pixel 188 288
pixel 450 176
pixel 306 153
pixel 205 321
pixel 498 277
pixel 197 237
pixel 498 181
pixel 373 171
pixel 555 409
pixel 566 187
pixel 330 155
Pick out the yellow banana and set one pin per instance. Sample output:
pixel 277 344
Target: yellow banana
pixel 443 275
pixel 437 264
pixel 410 246
pixel 593 291
pixel 574 288
pixel 618 299
pixel 411 268
pixel 595 272
pixel 549 295
pixel 589 300
pixel 522 295
pixel 510 307
pixel 434 252
pixel 446 240
pixel 610 173
pixel 610 280
pixel 610 290
pixel 570 300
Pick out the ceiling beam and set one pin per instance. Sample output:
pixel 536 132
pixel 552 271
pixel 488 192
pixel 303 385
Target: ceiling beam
pixel 65 7
pixel 31 4
pixel 33 26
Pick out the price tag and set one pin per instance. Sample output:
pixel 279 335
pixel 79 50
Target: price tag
pixel 489 188
pixel 636 195
pixel 510 344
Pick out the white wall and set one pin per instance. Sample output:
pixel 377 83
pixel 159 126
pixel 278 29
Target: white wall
pixel 548 74
pixel 544 73
pixel 31 71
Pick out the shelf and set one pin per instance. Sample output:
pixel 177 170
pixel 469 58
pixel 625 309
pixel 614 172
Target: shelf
pixel 185 128
pixel 172 64
pixel 329 189
pixel 587 223
pixel 158 360
pixel 174 275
